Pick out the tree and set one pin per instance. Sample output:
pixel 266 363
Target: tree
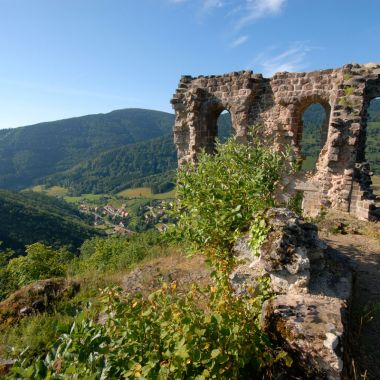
pixel 225 194
pixel 40 262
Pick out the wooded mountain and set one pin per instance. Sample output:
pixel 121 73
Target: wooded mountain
pixel 149 163
pixel 27 217
pixel 120 168
pixel 30 153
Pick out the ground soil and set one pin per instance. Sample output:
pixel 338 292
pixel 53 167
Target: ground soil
pixel 363 252
pixel 178 268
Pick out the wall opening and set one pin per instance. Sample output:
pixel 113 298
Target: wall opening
pixel 372 146
pixel 314 134
pixel 224 125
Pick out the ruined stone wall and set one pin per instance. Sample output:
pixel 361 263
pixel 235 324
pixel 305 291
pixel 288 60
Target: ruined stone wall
pixel 278 103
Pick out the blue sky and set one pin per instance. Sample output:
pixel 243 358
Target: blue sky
pixel 63 58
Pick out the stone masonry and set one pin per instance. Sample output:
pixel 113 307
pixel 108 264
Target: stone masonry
pixel 341 180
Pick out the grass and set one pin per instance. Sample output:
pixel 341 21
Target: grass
pixel 376 180
pixel 146 192
pixel 27 333
pixel 55 191
pixel 114 200
pixel 88 197
pixel 138 192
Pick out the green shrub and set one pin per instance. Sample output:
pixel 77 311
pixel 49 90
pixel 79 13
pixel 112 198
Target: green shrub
pixel 40 262
pixel 35 335
pixel 202 334
pixel 164 337
pixel 221 196
pixel 7 283
pixel 116 253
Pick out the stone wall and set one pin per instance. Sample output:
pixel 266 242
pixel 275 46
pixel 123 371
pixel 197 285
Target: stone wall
pixel 278 104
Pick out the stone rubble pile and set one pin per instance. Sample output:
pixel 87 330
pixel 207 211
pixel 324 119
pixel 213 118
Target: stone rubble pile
pixel 308 315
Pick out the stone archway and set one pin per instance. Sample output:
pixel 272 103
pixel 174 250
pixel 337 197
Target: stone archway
pixel 277 103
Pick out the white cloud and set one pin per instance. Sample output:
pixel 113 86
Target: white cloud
pixel 246 12
pixel 210 4
pixel 291 59
pixel 239 41
pixel 256 9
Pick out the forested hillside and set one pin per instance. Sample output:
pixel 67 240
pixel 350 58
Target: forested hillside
pixel 119 168
pixel 149 163
pixel 30 153
pixel 29 217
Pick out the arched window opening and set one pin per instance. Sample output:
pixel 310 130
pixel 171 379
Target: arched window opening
pixel 372 146
pixel 224 124
pixel 314 134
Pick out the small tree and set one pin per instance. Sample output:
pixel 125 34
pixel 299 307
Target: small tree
pixel 225 194
pixel 40 262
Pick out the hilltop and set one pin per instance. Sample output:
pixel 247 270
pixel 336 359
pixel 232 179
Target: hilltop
pixel 30 153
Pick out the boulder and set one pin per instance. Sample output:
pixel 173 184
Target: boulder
pixel 312 287
pixel 310 329
pixel 285 255
pixel 36 297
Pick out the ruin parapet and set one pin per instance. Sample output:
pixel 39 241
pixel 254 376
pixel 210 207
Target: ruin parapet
pixel 277 104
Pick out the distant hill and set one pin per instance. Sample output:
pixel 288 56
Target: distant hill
pixel 30 153
pixel 148 163
pixel 28 217
pixel 119 168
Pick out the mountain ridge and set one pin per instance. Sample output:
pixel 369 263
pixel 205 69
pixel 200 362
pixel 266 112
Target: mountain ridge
pixel 30 153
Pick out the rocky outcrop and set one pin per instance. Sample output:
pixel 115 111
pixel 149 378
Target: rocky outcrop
pixel 312 290
pixel 285 256
pixel 37 297
pixel 310 328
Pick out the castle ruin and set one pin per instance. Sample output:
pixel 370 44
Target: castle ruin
pixel 342 178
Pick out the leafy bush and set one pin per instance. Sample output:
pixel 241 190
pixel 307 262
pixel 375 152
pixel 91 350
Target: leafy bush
pixel 36 334
pixel 201 334
pixel 164 337
pixel 225 194
pixel 116 253
pixel 40 262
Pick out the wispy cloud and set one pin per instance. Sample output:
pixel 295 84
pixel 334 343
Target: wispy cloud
pixel 239 41
pixel 244 13
pixel 238 14
pixel 211 4
pixel 273 60
pixel 256 9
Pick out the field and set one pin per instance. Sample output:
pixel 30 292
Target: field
pixel 54 191
pixel 114 200
pixel 146 192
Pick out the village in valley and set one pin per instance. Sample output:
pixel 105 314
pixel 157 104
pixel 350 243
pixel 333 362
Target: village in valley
pixel 126 219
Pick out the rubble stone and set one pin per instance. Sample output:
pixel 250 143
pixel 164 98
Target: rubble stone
pixel 308 314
